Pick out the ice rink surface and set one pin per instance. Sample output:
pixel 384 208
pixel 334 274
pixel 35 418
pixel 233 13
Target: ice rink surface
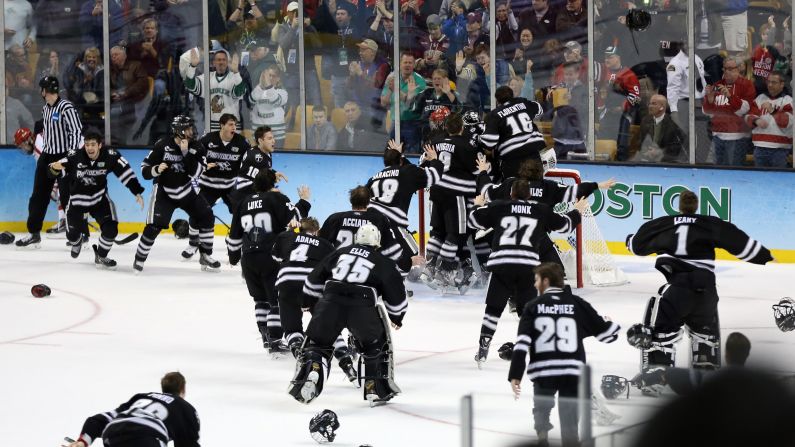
pixel 103 336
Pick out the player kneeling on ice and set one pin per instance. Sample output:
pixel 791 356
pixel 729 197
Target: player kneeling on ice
pixel 87 173
pixel 348 285
pixel 685 245
pixel 551 330
pixel 146 420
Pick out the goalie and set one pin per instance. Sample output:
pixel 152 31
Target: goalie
pixel 348 284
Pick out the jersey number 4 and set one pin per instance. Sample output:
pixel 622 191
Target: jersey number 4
pixel 560 334
pixel 352 269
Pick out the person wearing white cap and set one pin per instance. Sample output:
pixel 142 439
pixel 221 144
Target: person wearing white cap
pixel 434 45
pixel 226 86
pixel 287 37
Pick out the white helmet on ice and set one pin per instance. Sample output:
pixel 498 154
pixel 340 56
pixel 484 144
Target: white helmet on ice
pixel 368 235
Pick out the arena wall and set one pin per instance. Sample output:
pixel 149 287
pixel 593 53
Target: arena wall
pixel 760 202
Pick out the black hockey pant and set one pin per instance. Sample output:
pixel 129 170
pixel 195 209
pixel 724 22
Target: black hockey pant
pixel 211 195
pixel 448 229
pixel 42 188
pixel 544 389
pixel 259 271
pixel 158 218
pixel 104 212
pixel 331 315
pixel 507 281
pixel 690 299
pixel 292 301
pixel 134 442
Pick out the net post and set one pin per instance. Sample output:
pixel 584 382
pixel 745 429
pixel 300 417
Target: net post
pixel 467 424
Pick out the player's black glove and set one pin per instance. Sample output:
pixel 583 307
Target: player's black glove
pixel 234 257
pixel 639 336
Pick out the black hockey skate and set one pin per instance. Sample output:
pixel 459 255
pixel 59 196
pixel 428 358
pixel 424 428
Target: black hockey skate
pixel 103 263
pixel 483 350
pixel 278 349
pixel 189 252
pixel 208 263
pixel 32 242
pixel 75 250
pixel 138 266
pixel 372 396
pixel 58 228
pixel 346 365
pixel 307 390
pixel 466 277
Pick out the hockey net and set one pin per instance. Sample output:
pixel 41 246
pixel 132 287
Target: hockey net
pixel 584 252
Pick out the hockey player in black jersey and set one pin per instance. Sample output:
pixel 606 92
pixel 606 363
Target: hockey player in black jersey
pixel 339 228
pixel 542 190
pixel 87 172
pixel 146 420
pixel 258 158
pixel 172 164
pixel 511 132
pixel 349 284
pixel 223 152
pixel 258 219
pixel 298 254
pixel 685 246
pixel 393 188
pixel 551 331
pixel 451 199
pixel 519 224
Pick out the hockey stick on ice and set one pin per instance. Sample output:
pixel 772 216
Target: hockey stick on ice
pixel 125 240
pixel 474 256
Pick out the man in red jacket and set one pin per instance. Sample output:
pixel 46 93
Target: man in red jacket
pixel 726 103
pixel 620 93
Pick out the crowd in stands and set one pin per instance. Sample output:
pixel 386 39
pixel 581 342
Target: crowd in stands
pixel 743 107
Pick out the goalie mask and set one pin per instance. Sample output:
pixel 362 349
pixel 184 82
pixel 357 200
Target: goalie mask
pixel 784 313
pixel 614 386
pixel 322 426
pixel 549 160
pixel 368 235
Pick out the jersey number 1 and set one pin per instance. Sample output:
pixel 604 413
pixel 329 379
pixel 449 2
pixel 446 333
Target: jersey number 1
pixel 681 240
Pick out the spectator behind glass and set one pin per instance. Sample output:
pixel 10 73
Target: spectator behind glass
pixel 771 120
pixel 20 27
pixel 765 58
pixel 91 22
pixel 366 81
pixel 17 68
pixel 434 47
pixel 455 27
pixel 525 52
pixel 474 36
pixel 128 87
pixel 58 27
pixel 570 114
pixel 572 21
pixel 85 88
pixel 507 28
pixel 152 52
pixel 439 95
pixel 287 34
pixel 355 136
pixel 382 30
pixel 540 19
pixel 321 135
pixel 726 102
pixel 270 99
pixel 619 97
pixel 662 140
pixel 411 84
pixel 340 50
pixel 17 116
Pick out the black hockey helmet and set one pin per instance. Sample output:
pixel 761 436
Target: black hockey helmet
pixel 784 313
pixel 322 426
pixel 639 336
pixel 471 118
pixel 6 237
pixel 180 228
pixel 180 124
pixel 614 386
pixel 638 19
pixel 49 84
pixel 506 351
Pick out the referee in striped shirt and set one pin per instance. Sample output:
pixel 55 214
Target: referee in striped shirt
pixel 62 133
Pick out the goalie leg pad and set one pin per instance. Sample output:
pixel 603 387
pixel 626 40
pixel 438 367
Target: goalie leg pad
pixel 378 373
pixel 704 349
pixel 311 371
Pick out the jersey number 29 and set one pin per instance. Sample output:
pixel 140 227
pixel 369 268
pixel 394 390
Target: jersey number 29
pixel 560 334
